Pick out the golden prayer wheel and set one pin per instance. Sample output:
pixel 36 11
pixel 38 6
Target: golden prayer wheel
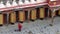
pixel 33 14
pixel 59 12
pixel 41 13
pixel 1 19
pixel 12 17
pixel 21 16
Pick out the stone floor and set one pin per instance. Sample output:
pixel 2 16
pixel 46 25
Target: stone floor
pixel 36 27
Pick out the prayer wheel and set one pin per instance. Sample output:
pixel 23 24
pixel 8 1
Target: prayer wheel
pixel 33 14
pixel 1 19
pixel 59 12
pixel 12 17
pixel 21 16
pixel 41 13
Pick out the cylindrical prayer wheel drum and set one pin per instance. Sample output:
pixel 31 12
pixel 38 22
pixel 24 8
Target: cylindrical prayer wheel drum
pixel 12 17
pixel 21 16
pixel 41 13
pixel 59 12
pixel 33 14
pixel 1 19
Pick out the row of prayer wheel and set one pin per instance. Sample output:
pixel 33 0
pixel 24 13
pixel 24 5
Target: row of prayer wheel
pixel 39 13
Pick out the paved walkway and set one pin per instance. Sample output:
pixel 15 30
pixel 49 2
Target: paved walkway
pixel 36 27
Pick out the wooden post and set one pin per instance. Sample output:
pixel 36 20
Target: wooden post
pixel 28 15
pixel 48 13
pixel 7 19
